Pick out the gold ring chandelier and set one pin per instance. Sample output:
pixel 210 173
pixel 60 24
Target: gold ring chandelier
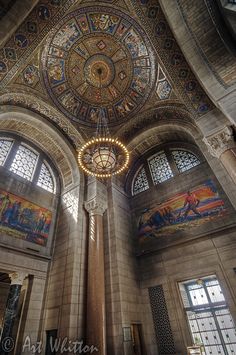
pixel 103 156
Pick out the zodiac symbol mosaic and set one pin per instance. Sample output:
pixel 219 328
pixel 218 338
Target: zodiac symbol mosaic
pixel 98 57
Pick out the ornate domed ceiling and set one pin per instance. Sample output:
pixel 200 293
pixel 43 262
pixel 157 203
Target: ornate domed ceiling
pixel 97 57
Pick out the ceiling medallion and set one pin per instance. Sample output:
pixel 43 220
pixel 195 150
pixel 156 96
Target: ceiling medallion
pixel 102 156
pixel 91 38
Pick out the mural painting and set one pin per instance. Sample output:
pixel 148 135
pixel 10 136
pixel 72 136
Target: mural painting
pixel 22 219
pixel 183 213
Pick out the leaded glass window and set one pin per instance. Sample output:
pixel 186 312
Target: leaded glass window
pixel 24 162
pixel 5 147
pixel 209 318
pixel 160 168
pixel 140 182
pixel 184 160
pixel 45 179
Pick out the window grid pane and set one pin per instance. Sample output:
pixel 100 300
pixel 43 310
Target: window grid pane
pixel 24 162
pixel 45 179
pixel 160 168
pixel 209 317
pixel 141 182
pixel 184 160
pixel 5 146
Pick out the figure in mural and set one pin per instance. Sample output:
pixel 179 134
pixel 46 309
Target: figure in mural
pixel 182 212
pixel 4 203
pixel 191 202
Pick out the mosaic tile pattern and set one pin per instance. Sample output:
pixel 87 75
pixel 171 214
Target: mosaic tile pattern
pixel 92 39
pixel 174 62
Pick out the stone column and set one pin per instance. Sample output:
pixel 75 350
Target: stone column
pixel 222 145
pixel 11 311
pixel 96 321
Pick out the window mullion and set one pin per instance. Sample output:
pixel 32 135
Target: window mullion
pixel 11 155
pixel 171 162
pixel 37 169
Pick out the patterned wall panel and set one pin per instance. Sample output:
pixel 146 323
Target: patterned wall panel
pixel 161 321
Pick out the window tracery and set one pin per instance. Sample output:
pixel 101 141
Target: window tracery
pixel 160 168
pixel 140 182
pixel 24 162
pixel 45 179
pixel 27 163
pixel 5 147
pixel 184 160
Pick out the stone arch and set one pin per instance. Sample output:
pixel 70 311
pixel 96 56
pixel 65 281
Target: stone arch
pixel 158 134
pixel 44 135
pixel 221 90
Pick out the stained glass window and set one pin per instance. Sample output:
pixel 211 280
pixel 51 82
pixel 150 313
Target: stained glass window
pixel 45 179
pixel 24 162
pixel 209 318
pixel 184 160
pixel 140 182
pixel 160 168
pixel 5 147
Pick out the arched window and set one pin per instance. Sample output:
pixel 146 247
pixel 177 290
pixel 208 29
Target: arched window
pixel 5 147
pixel 26 162
pixel 160 168
pixel 140 182
pixel 45 179
pixel 184 160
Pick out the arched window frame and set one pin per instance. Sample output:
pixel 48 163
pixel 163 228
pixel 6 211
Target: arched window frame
pixel 135 179
pixel 42 158
pixel 167 149
pixel 44 162
pixel 4 138
pixel 188 152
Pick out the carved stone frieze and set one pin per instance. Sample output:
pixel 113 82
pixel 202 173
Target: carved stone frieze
pixel 95 206
pixel 220 141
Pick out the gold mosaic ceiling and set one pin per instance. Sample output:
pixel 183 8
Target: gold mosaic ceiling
pixel 97 58
pixel 50 65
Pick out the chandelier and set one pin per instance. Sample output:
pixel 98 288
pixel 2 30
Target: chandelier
pixel 103 156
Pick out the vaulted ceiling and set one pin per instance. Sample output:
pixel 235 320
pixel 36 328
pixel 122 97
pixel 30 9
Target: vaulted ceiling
pixel 50 65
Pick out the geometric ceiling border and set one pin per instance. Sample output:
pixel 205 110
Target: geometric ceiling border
pixel 45 110
pixel 50 16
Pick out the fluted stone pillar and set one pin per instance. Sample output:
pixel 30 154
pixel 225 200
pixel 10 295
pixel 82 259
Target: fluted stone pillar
pixel 96 321
pixel 11 311
pixel 222 145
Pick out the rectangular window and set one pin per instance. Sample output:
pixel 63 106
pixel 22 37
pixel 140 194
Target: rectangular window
pixel 24 162
pixel 209 318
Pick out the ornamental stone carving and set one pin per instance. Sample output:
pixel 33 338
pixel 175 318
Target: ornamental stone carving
pixel 95 207
pixel 17 278
pixel 220 141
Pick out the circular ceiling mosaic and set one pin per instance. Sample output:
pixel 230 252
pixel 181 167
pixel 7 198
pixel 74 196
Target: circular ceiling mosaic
pixel 98 58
